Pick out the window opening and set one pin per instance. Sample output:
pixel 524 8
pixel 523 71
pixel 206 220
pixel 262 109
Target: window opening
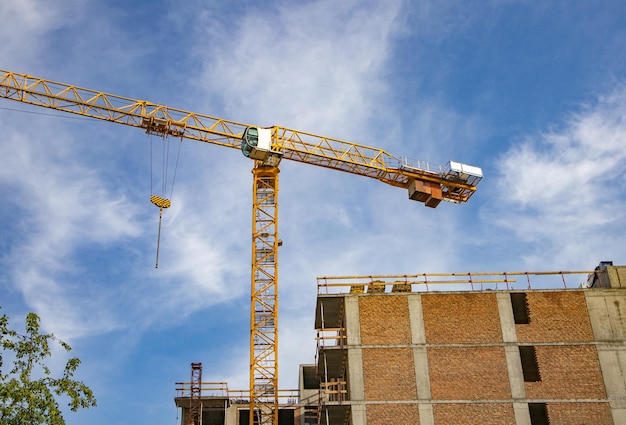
pixel 519 302
pixel 311 380
pixel 530 367
pixel 538 414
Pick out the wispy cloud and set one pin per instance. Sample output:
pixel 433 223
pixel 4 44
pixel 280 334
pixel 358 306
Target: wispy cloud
pixel 64 206
pixel 315 65
pixel 25 23
pixel 563 188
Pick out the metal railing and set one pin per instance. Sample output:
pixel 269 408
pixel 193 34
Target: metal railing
pixel 220 389
pixel 425 282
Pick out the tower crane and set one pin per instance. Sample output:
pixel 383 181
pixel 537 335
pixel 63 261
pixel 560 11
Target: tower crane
pixel 267 147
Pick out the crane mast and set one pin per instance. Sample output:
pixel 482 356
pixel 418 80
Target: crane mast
pixel 264 296
pixel 267 146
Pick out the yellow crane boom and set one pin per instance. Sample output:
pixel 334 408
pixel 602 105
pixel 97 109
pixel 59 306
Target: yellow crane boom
pixel 457 182
pixel 267 146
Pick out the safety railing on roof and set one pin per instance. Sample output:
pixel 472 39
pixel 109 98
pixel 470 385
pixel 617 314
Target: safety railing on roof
pixel 208 389
pixel 220 389
pixel 424 282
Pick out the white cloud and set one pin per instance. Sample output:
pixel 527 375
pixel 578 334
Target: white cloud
pixel 564 188
pixel 313 66
pixel 63 207
pixel 24 24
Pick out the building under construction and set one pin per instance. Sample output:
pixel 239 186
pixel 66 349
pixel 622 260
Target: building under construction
pixel 473 348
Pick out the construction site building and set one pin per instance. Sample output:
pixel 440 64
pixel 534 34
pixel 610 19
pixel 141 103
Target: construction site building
pixel 497 351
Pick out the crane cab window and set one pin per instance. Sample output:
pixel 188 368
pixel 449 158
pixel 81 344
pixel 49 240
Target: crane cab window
pixel 250 140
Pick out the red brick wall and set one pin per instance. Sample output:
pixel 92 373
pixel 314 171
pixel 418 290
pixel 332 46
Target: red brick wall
pixel 384 319
pixel 461 318
pixel 389 374
pixel 580 414
pixel 556 317
pixel 468 373
pixel 388 414
pixel 474 414
pixel 465 372
pixel 567 371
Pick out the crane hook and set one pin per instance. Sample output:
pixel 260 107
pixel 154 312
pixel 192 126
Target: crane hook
pixel 161 203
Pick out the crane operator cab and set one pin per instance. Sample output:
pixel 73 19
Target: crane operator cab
pixel 256 143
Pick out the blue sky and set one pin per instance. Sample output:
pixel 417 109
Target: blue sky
pixel 532 92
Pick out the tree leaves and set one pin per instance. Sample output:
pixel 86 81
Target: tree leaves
pixel 28 392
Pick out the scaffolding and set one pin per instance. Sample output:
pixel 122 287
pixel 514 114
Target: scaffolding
pixel 333 390
pixel 195 395
pixel 216 400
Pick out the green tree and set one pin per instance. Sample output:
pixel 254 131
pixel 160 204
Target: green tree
pixel 28 391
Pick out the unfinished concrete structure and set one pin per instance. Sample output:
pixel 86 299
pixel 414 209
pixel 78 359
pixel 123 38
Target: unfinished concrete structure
pixel 411 351
pixel 524 357
pixel 220 405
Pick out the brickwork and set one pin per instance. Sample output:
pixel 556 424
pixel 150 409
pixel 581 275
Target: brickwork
pixel 474 414
pixel 464 358
pixel 468 373
pixel 461 318
pixel 567 372
pixel 580 414
pixel 556 317
pixel 389 374
pixel 386 414
pixel 384 320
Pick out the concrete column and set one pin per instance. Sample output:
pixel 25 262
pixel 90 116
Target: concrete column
pixel 613 366
pixel 416 316
pixel 511 351
pixel 353 323
pixel 507 322
pixel 358 414
pixel 355 354
pixel 422 373
pixel 355 374
pixel 426 414
pixel 420 359
pixel 516 376
pixel 522 415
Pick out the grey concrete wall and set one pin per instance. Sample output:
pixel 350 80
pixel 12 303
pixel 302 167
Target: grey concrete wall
pixel 607 313
pixel 617 276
